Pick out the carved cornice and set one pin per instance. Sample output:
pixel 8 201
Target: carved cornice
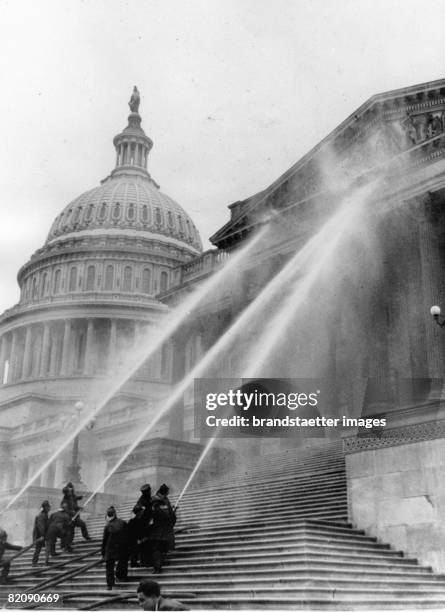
pixel 408 434
pixel 403 118
pixel 115 307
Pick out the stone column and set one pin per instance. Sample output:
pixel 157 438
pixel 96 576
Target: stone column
pixel 27 356
pixel 53 351
pixel 44 355
pixel 65 365
pixel 113 342
pixel 4 344
pixel 13 356
pixel 89 348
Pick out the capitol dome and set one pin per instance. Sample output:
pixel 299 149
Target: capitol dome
pixel 121 240
pixel 128 204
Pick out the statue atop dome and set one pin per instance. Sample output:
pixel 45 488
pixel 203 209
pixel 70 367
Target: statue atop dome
pixel 134 100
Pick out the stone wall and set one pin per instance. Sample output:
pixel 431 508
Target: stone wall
pixel 397 493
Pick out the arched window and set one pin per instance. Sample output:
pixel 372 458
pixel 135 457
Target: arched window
pixel 73 279
pixel 158 216
pixel 109 278
pixel 116 211
pixel 145 214
pixel 34 288
pixel 128 273
pixel 146 280
pixel 56 287
pixel 91 275
pixel 102 212
pixel 89 213
pixel 43 285
pixel 170 219
pixel 77 214
pixel 163 281
pixel 131 213
pixel 181 225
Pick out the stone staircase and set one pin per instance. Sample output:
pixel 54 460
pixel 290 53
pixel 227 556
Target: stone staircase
pixel 272 535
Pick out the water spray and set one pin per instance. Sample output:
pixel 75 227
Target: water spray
pixel 201 458
pixel 329 236
pixel 286 274
pixel 155 339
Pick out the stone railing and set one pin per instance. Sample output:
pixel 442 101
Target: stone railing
pixel 200 266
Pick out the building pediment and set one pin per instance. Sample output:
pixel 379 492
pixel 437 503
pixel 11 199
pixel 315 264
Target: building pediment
pixel 390 124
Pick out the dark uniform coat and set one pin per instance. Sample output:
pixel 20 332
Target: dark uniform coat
pixel 164 519
pixel 138 530
pixel 71 499
pixel 115 540
pixel 41 523
pixel 59 526
pixel 59 522
pixel 145 502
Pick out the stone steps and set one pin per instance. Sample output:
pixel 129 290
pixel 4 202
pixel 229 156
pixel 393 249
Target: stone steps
pixel 276 538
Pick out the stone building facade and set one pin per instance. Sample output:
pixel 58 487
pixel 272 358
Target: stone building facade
pixel 87 297
pixel 123 254
pixel 374 336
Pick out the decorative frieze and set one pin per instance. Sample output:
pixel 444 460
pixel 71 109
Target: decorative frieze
pixel 409 434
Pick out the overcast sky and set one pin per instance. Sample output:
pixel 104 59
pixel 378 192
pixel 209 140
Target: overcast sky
pixel 233 93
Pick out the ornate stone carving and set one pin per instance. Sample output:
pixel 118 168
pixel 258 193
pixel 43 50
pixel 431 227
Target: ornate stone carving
pixel 419 128
pixel 409 434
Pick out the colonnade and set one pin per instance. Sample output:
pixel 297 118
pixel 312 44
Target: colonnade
pixel 74 346
pixel 131 154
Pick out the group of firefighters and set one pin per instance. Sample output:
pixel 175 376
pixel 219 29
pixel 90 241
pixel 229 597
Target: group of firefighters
pixel 143 541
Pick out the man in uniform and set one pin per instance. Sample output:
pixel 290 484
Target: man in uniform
pixel 115 548
pixel 58 527
pixel 150 598
pixel 70 497
pixel 139 538
pixel 5 563
pixel 145 501
pixel 40 531
pixel 162 531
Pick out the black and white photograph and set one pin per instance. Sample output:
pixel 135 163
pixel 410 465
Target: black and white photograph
pixel 222 315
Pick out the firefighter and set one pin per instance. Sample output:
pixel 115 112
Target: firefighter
pixel 115 548
pixel 5 562
pixel 58 527
pixel 40 531
pixel 162 531
pixel 70 497
pixel 139 538
pixel 145 501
